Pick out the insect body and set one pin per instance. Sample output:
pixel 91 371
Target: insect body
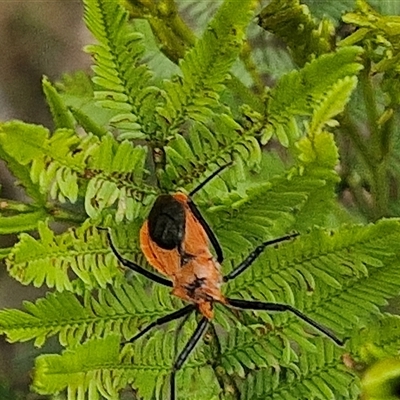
pixel 176 244
pixel 175 240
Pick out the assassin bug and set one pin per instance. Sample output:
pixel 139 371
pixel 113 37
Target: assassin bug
pixel 174 240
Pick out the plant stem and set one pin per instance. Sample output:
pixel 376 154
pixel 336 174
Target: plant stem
pixel 352 132
pixel 14 205
pixel 371 110
pixel 62 215
pixel 246 57
pixel 228 385
pixel 379 148
pixel 4 251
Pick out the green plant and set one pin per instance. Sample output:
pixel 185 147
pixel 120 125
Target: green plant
pixel 128 135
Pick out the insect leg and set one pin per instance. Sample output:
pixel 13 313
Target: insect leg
pixel 207 228
pixel 254 255
pixel 259 305
pixel 163 320
pixel 194 339
pixel 178 331
pixel 135 267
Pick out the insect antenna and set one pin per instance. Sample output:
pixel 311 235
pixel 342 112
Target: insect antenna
pixel 208 179
pixel 196 212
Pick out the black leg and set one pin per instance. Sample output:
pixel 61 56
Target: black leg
pixel 197 335
pixel 178 331
pixel 210 233
pixel 135 267
pixel 254 254
pixel 258 305
pixel 163 320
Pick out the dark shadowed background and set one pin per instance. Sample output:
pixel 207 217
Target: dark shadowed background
pixel 36 38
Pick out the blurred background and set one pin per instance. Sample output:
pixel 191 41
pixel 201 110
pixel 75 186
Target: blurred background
pixel 36 38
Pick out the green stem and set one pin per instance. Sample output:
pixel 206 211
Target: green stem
pixel 370 105
pixel 251 67
pixel 167 25
pixel 360 144
pixel 62 215
pixel 379 151
pixel 382 184
pixel 14 205
pixel 349 141
pixel 4 252
pixel 228 385
pixel 380 191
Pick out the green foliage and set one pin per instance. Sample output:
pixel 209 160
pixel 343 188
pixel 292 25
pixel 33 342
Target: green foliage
pixel 127 136
pixel 318 374
pixel 75 317
pixel 206 65
pixel 51 259
pixel 301 93
pixel 121 83
pixel 373 349
pixel 293 22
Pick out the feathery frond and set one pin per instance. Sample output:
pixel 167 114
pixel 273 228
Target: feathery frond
pixel 293 22
pixel 55 160
pixel 354 269
pixel 300 92
pixel 123 83
pixel 117 172
pixel 120 309
pixel 206 66
pixel 204 150
pixel 51 259
pixel 318 375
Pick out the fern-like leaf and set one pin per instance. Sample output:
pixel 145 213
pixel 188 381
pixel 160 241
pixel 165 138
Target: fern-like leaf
pixel 85 370
pixel 119 171
pixel 347 270
pixel 21 172
pixel 55 161
pixel 97 369
pixel 293 22
pixel 378 340
pixel 309 90
pixel 51 259
pixel 17 217
pixel 123 83
pixel 187 159
pixel 62 117
pixel 62 162
pixel 206 65
pixel 318 375
pixel 121 309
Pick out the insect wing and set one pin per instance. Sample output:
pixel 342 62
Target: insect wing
pixel 165 261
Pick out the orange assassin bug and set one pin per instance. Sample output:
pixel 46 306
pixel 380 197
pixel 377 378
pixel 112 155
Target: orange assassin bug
pixel 174 240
